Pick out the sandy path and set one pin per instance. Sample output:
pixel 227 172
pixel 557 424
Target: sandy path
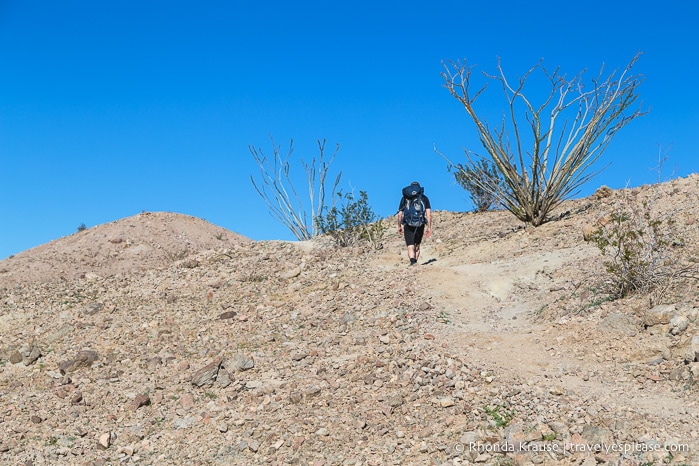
pixel 490 322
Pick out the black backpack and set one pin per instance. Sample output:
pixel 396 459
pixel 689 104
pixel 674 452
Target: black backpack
pixel 414 208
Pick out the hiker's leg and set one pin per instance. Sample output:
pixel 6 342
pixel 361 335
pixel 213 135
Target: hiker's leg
pixel 412 251
pixel 409 234
pixel 418 240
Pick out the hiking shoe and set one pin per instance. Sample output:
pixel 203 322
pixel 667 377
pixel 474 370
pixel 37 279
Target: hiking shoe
pixel 413 261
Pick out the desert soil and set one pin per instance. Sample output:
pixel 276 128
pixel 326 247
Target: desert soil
pixel 164 339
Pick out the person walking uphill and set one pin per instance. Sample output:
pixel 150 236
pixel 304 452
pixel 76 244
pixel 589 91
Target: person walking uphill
pixel 414 213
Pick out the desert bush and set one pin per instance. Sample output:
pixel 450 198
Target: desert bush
pixel 641 249
pixel 176 255
pixel 545 150
pixel 482 194
pixel 82 227
pixel 352 221
pixel 276 188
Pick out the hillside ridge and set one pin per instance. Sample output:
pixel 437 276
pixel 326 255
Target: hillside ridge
pixel 144 241
pixel 205 347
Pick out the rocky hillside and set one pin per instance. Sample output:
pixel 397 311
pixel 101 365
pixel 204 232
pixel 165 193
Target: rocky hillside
pixel 163 339
pixel 150 240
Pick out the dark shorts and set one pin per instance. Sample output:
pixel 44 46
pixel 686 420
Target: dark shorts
pixel 413 235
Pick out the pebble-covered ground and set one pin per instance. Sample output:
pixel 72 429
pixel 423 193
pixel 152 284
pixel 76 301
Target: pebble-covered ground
pixel 163 339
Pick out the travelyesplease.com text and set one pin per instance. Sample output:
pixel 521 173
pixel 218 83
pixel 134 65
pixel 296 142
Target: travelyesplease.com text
pixel 608 448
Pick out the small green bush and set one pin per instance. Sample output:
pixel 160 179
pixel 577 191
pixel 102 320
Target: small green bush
pixel 469 176
pixel 501 416
pixel 82 227
pixel 639 250
pixel 352 222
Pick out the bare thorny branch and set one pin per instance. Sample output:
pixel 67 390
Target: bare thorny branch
pixel 560 159
pixel 277 190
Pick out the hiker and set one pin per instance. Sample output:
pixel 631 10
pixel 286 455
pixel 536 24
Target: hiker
pixel 414 213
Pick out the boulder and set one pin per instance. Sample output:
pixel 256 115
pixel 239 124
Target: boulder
pixel 659 315
pixel 692 352
pixel 618 323
pixel 678 324
pixel 207 374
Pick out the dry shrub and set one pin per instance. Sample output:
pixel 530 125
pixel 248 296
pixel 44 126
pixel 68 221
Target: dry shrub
pixel 644 252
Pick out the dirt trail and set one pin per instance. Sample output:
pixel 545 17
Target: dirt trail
pixel 489 320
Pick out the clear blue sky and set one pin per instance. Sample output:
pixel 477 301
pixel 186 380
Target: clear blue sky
pixel 108 109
